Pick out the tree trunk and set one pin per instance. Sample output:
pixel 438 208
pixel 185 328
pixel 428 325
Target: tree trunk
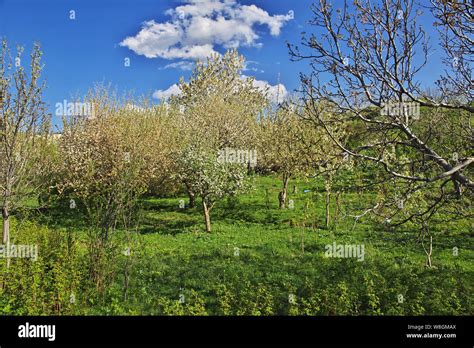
pixel 192 196
pixel 207 218
pixel 284 192
pixel 328 202
pixel 6 230
pixel 105 234
pixel 338 207
pixel 6 225
pixel 192 200
pixel 430 252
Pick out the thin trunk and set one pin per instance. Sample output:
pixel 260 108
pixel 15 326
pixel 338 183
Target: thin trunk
pixel 338 207
pixel 428 252
pixel 328 202
pixel 284 192
pixel 105 234
pixel 109 217
pixel 192 196
pixel 6 229
pixel 207 218
pixel 6 225
pixel 192 200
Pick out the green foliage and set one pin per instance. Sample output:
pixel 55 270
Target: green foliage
pixel 194 306
pixel 210 178
pixel 44 286
pixel 262 260
pixel 269 267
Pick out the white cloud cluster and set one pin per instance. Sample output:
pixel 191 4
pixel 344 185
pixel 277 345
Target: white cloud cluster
pixel 252 66
pixel 198 26
pixel 182 65
pixel 167 93
pixel 276 93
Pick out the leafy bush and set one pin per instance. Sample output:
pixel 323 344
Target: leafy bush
pixel 48 286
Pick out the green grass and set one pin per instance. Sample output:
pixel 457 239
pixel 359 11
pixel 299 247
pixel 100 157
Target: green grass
pixel 280 252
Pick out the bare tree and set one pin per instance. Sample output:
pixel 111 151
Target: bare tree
pixel 365 65
pixel 24 126
pixel 455 23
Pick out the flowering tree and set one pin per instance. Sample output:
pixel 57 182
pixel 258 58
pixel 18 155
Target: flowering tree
pixel 24 130
pixel 219 108
pixel 108 160
pixel 209 178
pixel 290 144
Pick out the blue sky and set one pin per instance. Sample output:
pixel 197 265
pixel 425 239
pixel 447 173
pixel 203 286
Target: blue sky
pixel 93 47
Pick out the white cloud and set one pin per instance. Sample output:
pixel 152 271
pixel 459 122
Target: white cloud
pixel 196 28
pixel 276 93
pixel 182 65
pixel 154 39
pixel 167 93
pixel 253 14
pixel 248 67
pixel 199 8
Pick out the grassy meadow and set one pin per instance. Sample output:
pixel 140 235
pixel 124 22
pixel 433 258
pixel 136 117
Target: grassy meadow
pixel 258 260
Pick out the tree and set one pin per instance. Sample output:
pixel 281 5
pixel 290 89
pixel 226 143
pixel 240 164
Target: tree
pixel 219 107
pixel 24 130
pixel 328 157
pixel 365 64
pixel 210 178
pixel 290 146
pixel 454 20
pixel 109 159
